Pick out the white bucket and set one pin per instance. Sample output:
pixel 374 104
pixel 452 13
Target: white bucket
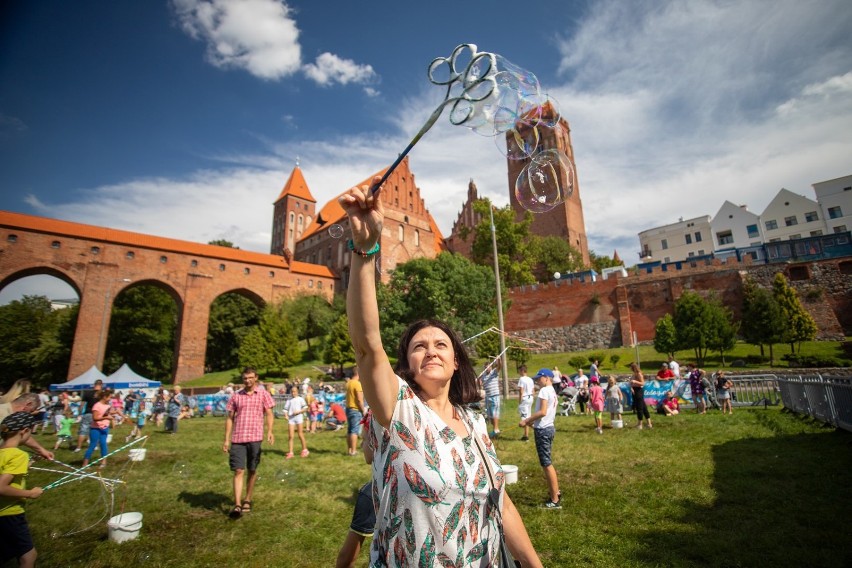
pixel 125 526
pixel 109 438
pixel 137 454
pixel 511 473
pixel 618 423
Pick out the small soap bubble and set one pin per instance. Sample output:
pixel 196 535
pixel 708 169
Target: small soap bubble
pixel 182 470
pixel 55 535
pixel 335 231
pixel 284 476
pixel 143 557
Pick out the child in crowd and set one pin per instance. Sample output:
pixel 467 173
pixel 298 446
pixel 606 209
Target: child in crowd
pixel 526 390
pixel 669 405
pixel 63 433
pixel 596 402
pixel 15 538
pixel 313 409
pixel 364 516
pixel 723 392
pixel 614 399
pixel 542 420
pixel 296 409
pixel 141 415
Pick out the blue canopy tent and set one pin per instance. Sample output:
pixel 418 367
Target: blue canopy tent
pixel 84 381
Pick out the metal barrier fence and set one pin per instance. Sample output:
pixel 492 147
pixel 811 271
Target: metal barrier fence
pixel 755 390
pixel 828 399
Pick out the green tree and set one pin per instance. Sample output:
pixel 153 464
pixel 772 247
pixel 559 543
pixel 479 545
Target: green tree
pixel 553 254
pixel 272 345
pixel 22 323
pixel 518 353
pixel 222 243
pixel 311 316
pixel 488 345
pixel 515 251
pixel 51 359
pixel 763 322
pixel 253 350
pixel 800 325
pixel 722 330
pixel 599 262
pixel 691 320
pixel 142 332
pixel 665 335
pixel 232 316
pixel 448 287
pixel 338 345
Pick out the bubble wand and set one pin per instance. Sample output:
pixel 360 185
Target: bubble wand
pixel 477 85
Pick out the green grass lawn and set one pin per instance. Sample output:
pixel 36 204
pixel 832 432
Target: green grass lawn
pixel 762 487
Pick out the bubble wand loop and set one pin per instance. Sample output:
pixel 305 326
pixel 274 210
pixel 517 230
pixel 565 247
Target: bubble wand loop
pixel 477 85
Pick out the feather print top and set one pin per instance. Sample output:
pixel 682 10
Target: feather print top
pixel 430 490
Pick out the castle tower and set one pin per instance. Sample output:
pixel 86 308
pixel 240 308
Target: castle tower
pixel 293 212
pixel 461 237
pixel 566 220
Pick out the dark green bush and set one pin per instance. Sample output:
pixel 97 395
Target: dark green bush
pixel 577 362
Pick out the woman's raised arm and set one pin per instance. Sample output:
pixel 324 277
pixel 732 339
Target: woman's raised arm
pixel 366 215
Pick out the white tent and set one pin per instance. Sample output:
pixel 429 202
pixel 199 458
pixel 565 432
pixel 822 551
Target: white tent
pixel 127 378
pixel 84 381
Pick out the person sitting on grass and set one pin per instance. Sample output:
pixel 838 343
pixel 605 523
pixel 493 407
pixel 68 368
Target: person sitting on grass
pixel 336 417
pixel 669 405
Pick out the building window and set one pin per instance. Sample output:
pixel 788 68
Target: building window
pixel 292 217
pixel 790 221
pixel 416 237
pixel 12 238
pixel 698 237
pixel 221 268
pixel 55 244
pixel 811 216
pixel 319 284
pixel 163 259
pixel 701 252
pixel 771 225
pixel 301 219
pixel 725 237
pixel 401 233
pixel 311 283
pixel 840 229
pixel 835 212
pixel 272 274
pixel 130 255
pixel 194 264
pixel 796 236
pixel 752 231
pixel 688 239
pixel 246 270
pixel 665 244
pixel 816 233
pixel 96 250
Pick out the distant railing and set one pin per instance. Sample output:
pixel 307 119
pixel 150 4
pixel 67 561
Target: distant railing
pixel 755 390
pixel 828 399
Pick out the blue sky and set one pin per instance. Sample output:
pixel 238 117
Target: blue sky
pixel 185 118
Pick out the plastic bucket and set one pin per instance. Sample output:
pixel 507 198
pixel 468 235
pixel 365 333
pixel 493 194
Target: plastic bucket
pixel 511 473
pixel 137 454
pixel 618 423
pixel 109 438
pixel 124 527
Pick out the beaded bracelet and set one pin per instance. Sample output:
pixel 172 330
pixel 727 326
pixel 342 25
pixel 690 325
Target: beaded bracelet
pixel 364 254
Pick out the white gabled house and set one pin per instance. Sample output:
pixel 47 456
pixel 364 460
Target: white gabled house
pixel 734 226
pixel 791 216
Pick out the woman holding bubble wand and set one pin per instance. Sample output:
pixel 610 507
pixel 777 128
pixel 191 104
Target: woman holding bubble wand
pixel 440 495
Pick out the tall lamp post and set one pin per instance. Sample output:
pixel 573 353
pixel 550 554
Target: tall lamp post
pixel 503 362
pixel 107 309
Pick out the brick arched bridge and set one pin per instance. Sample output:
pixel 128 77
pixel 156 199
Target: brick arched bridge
pixel 98 263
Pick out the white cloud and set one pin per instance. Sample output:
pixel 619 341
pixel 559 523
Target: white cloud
pixel 256 35
pixel 329 69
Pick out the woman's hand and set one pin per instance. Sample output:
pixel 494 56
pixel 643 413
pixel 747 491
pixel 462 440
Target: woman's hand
pixel 366 214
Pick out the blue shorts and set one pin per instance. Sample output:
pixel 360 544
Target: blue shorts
pixel 492 406
pixel 85 425
pixel 543 443
pixel 16 538
pixel 353 420
pixel 364 515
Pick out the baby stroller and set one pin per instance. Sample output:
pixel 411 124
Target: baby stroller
pixel 569 405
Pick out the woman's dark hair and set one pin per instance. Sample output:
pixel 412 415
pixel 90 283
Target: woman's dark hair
pixel 463 390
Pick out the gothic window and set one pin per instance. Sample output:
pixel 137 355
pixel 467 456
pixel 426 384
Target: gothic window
pixel 401 233
pixel 416 237
pixel 55 244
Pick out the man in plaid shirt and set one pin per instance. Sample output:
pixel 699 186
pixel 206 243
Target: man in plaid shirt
pixel 244 434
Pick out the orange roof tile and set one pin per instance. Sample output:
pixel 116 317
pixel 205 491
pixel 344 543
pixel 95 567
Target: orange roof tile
pixel 332 212
pixel 296 186
pixel 116 236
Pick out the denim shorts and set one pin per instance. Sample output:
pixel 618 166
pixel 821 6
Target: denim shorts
pixel 353 420
pixel 85 425
pixel 543 443
pixel 492 406
pixel 364 515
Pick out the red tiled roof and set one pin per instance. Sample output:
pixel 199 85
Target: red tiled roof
pixel 332 212
pixel 104 234
pixel 296 186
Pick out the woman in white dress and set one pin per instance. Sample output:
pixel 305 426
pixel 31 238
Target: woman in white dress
pixel 437 483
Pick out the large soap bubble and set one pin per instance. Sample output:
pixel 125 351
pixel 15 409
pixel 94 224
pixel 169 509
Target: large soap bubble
pixel 544 183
